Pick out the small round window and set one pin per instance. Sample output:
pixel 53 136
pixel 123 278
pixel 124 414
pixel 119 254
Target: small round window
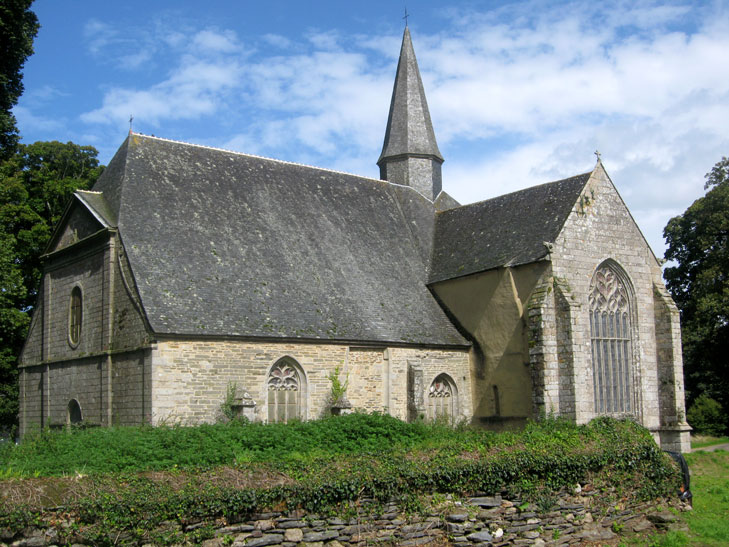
pixel 75 316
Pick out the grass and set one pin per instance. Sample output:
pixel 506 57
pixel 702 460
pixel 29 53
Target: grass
pixel 123 480
pixel 709 521
pixel 702 441
pixel 135 449
pixel 145 448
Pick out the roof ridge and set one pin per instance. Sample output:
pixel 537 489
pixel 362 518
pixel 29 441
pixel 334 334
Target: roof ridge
pixel 517 191
pixel 89 191
pixel 235 152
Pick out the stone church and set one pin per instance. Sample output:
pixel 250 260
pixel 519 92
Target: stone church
pixel 188 272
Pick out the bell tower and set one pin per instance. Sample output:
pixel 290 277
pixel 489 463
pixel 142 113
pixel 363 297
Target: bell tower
pixel 410 154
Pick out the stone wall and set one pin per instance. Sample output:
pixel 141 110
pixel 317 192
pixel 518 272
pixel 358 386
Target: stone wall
pixel 87 273
pixel 132 393
pixel 492 307
pixel 129 327
pixel 190 378
pixel 600 228
pixel 569 518
pixel 80 224
pixel 53 371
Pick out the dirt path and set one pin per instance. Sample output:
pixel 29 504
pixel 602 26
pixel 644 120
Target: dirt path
pixel 712 448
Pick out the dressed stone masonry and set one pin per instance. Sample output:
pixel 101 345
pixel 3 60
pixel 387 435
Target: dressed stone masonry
pixel 189 275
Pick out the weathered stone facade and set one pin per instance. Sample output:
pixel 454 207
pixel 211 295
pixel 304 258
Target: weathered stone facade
pixel 190 378
pixel 601 229
pixel 107 371
pixel 531 325
pixel 202 269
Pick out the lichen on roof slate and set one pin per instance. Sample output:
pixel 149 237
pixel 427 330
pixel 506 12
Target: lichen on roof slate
pixel 96 202
pixel 506 230
pixel 226 244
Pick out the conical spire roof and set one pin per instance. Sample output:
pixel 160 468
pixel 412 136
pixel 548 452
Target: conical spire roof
pixel 409 129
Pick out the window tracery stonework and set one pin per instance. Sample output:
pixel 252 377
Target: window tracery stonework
pixel 284 392
pixel 611 341
pixel 442 398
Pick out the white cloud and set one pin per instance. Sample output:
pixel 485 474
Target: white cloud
pixel 519 95
pixel 213 40
pixel 128 50
pixel 32 122
pixel 276 40
pixel 195 89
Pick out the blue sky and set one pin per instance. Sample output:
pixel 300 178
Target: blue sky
pixel 520 93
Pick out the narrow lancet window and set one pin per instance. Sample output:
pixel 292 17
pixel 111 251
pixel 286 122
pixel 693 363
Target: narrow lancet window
pixel 75 316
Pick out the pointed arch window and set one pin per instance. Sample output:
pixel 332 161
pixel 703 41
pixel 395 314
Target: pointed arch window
pixel 442 398
pixel 611 335
pixel 285 385
pixel 73 413
pixel 75 316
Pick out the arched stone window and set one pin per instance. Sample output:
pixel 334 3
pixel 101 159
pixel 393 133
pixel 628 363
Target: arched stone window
pixel 611 335
pixel 286 391
pixel 75 316
pixel 442 398
pixel 73 412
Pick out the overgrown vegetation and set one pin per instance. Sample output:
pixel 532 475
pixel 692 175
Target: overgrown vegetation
pixel 227 407
pixel 339 388
pixel 706 416
pixel 698 247
pixel 322 466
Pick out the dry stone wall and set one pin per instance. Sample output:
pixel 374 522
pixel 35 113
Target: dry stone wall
pixel 581 516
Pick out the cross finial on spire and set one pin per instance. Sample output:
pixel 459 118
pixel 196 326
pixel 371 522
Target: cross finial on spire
pixel 406 16
pixel 598 155
pixel 131 119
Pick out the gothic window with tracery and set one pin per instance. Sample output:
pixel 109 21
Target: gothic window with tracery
pixel 442 398
pixel 611 339
pixel 284 392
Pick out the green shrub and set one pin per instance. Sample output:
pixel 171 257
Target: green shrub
pixel 706 416
pixel 329 464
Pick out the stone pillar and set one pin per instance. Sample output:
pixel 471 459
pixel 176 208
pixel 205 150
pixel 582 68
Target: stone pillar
pixel 673 432
pixel 416 390
pixel 543 348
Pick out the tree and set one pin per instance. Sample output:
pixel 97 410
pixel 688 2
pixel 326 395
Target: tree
pixel 35 186
pixel 18 28
pixel 698 242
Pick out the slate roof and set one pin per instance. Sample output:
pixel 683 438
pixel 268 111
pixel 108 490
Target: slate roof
pixel 98 205
pixel 506 230
pixel 409 128
pixel 227 244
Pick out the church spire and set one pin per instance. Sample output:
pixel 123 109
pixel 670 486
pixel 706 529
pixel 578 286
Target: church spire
pixel 410 154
